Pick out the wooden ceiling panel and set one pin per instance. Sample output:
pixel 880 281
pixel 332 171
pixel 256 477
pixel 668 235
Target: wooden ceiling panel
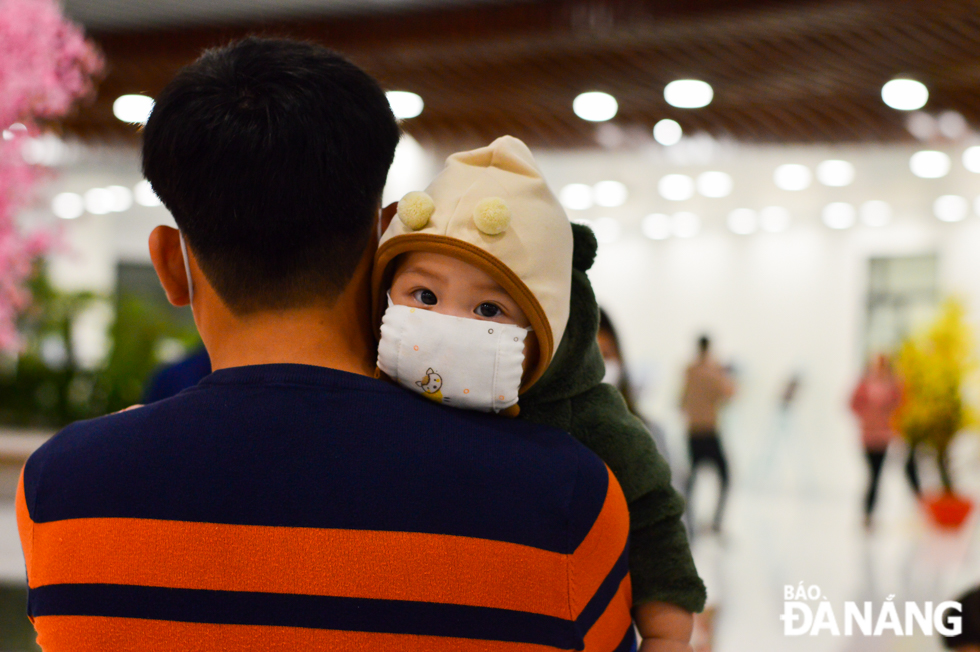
pixel 789 71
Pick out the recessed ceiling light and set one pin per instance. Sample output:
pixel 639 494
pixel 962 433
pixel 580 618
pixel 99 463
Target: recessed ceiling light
pixel 688 93
pixel 47 149
pixel 835 173
pixel 68 205
pixel 839 215
pixel 952 125
pixel 921 125
pixel 667 132
pixel 144 195
pixel 971 158
pixel 134 109
pixel 950 208
pixel 792 176
pixel 595 106
pixel 405 104
pixel 714 184
pixel 743 221
pixel 122 198
pixel 610 193
pixel 905 94
pixel 929 164
pixel 656 226
pixel 576 196
pixel 676 187
pixel 98 201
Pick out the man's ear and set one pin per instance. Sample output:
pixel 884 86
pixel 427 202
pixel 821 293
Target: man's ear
pixel 168 261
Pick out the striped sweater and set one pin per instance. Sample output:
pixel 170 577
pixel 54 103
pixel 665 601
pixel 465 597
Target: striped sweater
pixel 292 507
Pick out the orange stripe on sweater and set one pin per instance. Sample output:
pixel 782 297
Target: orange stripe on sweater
pixel 608 631
pixel 345 563
pixel 98 634
pixel 601 548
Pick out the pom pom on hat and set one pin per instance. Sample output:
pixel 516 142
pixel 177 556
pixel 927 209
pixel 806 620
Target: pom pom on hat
pixel 415 209
pixel 492 215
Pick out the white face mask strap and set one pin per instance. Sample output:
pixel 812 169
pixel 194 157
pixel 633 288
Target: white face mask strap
pixel 187 268
pixel 379 224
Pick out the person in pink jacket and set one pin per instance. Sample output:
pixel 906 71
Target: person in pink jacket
pixel 874 401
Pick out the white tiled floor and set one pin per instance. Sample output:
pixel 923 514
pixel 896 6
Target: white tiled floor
pixel 785 531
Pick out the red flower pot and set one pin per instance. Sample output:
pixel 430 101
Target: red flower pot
pixel 948 510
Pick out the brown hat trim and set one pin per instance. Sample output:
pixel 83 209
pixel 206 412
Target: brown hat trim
pixel 472 254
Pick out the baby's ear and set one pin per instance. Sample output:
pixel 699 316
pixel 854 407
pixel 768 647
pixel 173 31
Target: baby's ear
pixel 584 247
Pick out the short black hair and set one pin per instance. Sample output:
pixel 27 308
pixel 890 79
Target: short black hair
pixel 271 154
pixel 704 344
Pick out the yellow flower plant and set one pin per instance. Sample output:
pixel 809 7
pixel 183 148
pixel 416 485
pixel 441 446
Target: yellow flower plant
pixel 934 365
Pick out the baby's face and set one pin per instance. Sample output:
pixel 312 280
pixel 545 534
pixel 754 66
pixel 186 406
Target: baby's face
pixel 449 286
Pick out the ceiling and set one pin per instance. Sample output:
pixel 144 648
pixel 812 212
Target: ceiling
pixel 139 14
pixel 789 71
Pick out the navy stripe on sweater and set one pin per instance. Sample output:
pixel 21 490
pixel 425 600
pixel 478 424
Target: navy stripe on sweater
pixel 298 446
pixel 604 595
pixel 325 612
pixel 310 611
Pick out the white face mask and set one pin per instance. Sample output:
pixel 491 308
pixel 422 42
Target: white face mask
pixel 187 269
pixel 464 363
pixel 614 371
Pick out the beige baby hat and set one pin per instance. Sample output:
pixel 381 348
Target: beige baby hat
pixel 491 207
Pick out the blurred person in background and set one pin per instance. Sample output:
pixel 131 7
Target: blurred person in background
pixel 706 388
pixel 875 399
pixel 617 376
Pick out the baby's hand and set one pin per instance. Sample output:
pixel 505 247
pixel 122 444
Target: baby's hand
pixel 664 627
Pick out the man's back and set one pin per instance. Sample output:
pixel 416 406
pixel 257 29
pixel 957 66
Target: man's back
pixel 706 387
pixel 288 506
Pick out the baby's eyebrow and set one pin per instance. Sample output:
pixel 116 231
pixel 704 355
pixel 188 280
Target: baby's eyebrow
pixel 491 286
pixel 421 271
pixel 488 285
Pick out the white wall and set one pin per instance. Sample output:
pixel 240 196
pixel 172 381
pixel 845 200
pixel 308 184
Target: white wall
pixel 91 245
pixel 774 304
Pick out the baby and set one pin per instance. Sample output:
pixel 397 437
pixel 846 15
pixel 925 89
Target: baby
pixel 483 304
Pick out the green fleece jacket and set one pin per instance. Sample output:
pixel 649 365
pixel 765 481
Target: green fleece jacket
pixel 571 395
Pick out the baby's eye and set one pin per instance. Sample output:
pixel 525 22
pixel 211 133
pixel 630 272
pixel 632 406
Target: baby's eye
pixel 488 310
pixel 425 297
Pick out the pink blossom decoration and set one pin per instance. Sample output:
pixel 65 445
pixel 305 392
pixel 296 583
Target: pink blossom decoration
pixel 45 66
